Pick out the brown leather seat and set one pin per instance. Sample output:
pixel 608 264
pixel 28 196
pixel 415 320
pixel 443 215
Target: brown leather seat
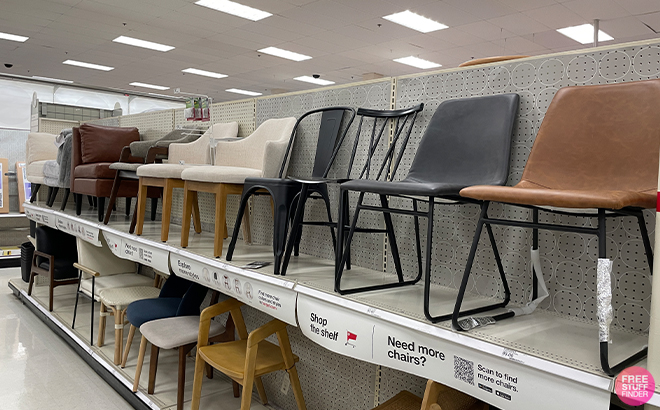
pixel 95 147
pixel 597 148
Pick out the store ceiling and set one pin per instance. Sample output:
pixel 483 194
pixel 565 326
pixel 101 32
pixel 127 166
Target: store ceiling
pixel 346 38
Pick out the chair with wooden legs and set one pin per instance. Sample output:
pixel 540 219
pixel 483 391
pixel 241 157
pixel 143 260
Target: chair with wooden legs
pixel 54 257
pixel 177 333
pixel 247 359
pixel 258 155
pixel 168 176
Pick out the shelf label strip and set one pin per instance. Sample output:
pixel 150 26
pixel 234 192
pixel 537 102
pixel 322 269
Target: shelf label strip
pixel 135 251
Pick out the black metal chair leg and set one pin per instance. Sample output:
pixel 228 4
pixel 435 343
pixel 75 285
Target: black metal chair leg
pixel 75 307
pixel 342 250
pixel 326 200
pixel 113 198
pixel 53 195
pixel 101 208
pixel 500 268
pixel 345 210
pixel 78 203
pixel 389 227
pixel 237 225
pixel 154 208
pixel 128 205
pixel 645 238
pixel 49 194
pixel 67 191
pixel 34 188
pixel 296 226
pixel 418 243
pixel 280 218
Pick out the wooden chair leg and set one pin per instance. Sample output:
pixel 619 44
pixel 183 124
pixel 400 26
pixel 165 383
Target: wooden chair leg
pixel 129 340
pixel 51 287
pixel 197 382
pixel 197 221
pixel 141 207
pixel 140 361
pixel 261 390
pixel 167 210
pixel 102 317
pixel 153 367
pixel 236 388
pixel 209 371
pixel 182 378
pixel 220 215
pixel 248 380
pixel 187 213
pixel 297 390
pixel 119 332
pixel 32 275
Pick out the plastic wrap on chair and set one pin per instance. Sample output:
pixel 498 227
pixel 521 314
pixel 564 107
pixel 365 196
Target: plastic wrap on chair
pixel 604 298
pixel 542 289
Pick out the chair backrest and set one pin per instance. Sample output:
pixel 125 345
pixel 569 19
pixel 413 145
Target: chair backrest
pixel 102 260
pixel 192 294
pixel 40 146
pixel 598 137
pixel 467 142
pixel 198 151
pixel 59 244
pixel 263 149
pixel 374 130
pixel 333 119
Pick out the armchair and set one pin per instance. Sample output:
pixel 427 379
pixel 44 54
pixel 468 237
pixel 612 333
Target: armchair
pixel 54 257
pixel 39 148
pixel 150 151
pixel 168 176
pixel 95 148
pixel 257 155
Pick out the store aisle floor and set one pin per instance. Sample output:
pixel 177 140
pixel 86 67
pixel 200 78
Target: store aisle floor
pixel 38 370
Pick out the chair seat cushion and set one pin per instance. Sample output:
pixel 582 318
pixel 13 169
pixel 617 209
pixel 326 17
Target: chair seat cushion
pixel 35 170
pixel 561 197
pixel 405 187
pixel 63 269
pixel 120 297
pixel 171 171
pixel 99 170
pixel 172 332
pixel 125 166
pixel 114 281
pixel 145 310
pixel 51 169
pixel 219 174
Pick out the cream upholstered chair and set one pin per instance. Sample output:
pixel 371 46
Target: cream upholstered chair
pixel 258 155
pixel 40 147
pixel 168 176
pixel 101 270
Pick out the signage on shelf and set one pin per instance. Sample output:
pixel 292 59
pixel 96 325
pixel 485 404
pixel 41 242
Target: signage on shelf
pixel 40 216
pixel 81 230
pixel 135 251
pixel 500 381
pixel 278 302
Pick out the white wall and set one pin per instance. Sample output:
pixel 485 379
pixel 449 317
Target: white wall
pixel 16 97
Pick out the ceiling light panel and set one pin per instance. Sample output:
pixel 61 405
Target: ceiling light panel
pixel 584 33
pixel 289 55
pixel 53 80
pixel 415 21
pixel 417 62
pixel 204 73
pixel 235 9
pixel 13 37
pixel 142 43
pixel 155 87
pixel 244 92
pixel 313 80
pixel 88 65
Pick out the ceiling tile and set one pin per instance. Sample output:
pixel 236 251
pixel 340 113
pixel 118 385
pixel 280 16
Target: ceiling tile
pixel 555 16
pixel 523 5
pixel 625 27
pixel 519 23
pixel 485 30
pixel 652 20
pixel 640 6
pixel 597 9
pixel 482 9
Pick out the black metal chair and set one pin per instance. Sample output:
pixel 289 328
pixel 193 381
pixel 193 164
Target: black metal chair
pixel 467 142
pixel 375 128
pixel 286 192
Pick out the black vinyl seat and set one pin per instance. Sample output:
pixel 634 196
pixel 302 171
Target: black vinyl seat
pixel 467 142
pixel 286 192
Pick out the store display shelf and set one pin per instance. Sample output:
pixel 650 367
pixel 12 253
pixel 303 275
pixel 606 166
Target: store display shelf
pixel 502 364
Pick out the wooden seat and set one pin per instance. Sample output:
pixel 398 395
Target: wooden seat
pixel 247 359
pixel 436 397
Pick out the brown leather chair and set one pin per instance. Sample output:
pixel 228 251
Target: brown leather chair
pixel 95 147
pixel 596 153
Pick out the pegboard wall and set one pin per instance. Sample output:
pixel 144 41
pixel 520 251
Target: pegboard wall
pixel 242 111
pixel 53 126
pixel 568 259
pixel 152 126
pixel 106 122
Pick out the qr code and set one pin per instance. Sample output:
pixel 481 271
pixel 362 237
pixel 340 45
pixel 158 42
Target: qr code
pixel 464 370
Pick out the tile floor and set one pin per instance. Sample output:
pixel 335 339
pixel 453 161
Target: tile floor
pixel 38 370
